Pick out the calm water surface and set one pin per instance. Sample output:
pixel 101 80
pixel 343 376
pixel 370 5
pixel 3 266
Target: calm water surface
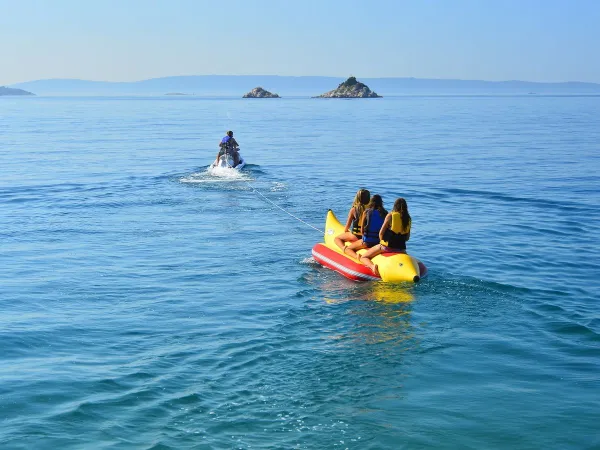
pixel 148 304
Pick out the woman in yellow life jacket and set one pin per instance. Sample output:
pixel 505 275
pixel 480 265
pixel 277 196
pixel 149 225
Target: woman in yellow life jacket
pixel 394 233
pixel 352 232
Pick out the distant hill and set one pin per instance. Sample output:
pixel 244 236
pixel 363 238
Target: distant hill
pixel 237 85
pixel 12 91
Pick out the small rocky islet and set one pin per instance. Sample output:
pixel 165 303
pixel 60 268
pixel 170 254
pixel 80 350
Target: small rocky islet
pixel 351 88
pixel 259 92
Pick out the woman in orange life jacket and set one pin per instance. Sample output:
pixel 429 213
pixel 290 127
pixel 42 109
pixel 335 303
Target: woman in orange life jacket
pixel 371 222
pixel 393 234
pixel 352 231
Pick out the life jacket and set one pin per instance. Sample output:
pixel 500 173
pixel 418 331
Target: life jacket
pixel 371 226
pixel 395 236
pixel 355 225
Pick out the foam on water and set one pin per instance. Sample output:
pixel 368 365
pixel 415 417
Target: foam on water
pixel 310 261
pixel 278 186
pixel 216 175
pixel 225 172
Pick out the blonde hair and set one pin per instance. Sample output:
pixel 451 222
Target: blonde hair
pixel 362 198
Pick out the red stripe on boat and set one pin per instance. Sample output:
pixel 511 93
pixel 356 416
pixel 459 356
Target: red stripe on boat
pixel 346 266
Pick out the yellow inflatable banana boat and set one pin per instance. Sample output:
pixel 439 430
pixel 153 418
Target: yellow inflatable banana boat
pixel 393 267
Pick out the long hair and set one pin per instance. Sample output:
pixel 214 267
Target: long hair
pixel 401 207
pixel 360 202
pixel 376 203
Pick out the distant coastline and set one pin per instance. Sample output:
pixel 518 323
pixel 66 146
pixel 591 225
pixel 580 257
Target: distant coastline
pixel 306 86
pixel 5 91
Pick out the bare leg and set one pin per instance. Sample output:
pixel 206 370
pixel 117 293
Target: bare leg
pixel 219 153
pixel 366 258
pixel 344 237
pixel 351 249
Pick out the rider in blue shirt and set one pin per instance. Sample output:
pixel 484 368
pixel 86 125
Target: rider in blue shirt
pixel 230 146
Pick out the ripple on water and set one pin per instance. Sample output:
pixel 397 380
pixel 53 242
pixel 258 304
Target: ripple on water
pixel 149 305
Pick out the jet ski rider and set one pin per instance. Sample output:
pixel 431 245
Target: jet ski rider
pixel 229 145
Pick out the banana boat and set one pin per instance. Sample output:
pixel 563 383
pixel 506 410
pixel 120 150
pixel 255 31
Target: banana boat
pixel 393 267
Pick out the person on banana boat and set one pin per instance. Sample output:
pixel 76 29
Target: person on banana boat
pixel 393 234
pixel 371 223
pixel 352 231
pixel 229 145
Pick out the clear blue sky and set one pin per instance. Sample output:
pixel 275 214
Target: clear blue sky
pixel 127 40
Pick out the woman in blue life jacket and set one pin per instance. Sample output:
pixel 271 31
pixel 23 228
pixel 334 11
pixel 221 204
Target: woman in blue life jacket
pixel 371 222
pixel 352 232
pixel 230 146
pixel 393 234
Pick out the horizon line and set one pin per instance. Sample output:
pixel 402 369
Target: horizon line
pixel 304 76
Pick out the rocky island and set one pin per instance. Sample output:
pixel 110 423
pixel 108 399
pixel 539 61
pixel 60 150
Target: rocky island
pixel 12 91
pixel 351 88
pixel 259 92
pixel 176 93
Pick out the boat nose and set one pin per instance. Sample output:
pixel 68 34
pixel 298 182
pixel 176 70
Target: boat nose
pixel 401 268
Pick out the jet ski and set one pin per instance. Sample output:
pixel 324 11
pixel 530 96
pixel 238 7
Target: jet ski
pixel 225 161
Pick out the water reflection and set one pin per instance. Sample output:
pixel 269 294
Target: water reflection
pixel 383 315
pixel 345 290
pixel 392 293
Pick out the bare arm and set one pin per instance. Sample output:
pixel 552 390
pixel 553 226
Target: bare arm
pixel 351 215
pixel 362 223
pixel 385 226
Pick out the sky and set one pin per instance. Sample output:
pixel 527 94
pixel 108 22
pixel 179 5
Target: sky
pixel 129 40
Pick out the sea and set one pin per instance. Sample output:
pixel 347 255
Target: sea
pixel 149 303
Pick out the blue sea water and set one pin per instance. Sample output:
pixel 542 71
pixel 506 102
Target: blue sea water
pixel 148 304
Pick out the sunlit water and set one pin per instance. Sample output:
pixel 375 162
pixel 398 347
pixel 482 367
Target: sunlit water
pixel 149 303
